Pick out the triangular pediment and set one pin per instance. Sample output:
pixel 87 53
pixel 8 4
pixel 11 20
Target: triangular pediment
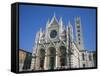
pixel 54 22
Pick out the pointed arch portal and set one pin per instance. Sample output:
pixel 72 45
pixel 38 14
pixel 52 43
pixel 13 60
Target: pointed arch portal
pixel 42 56
pixel 62 56
pixel 52 57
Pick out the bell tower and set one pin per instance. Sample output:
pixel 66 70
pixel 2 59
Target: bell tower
pixel 79 35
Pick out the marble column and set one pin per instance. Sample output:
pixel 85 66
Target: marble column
pixel 57 58
pixel 46 60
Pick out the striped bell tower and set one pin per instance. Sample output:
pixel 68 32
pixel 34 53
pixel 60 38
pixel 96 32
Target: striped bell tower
pixel 79 34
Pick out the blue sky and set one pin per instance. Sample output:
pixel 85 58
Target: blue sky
pixel 32 18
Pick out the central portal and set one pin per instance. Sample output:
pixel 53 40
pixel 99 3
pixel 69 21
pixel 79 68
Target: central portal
pixel 52 57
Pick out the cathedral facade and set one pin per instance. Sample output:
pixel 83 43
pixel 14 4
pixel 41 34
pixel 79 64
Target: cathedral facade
pixel 55 48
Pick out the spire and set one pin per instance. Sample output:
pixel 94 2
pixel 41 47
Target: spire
pixel 77 18
pixel 62 27
pixel 62 30
pixel 54 16
pixel 69 24
pixel 61 24
pixel 66 28
pixel 37 37
pixel 60 21
pixel 70 30
pixel 47 24
pixel 40 30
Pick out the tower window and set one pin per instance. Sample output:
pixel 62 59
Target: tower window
pixel 78 30
pixel 79 42
pixel 78 26
pixel 78 38
pixel 78 34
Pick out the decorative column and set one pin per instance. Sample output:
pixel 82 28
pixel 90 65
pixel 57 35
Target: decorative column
pixel 57 58
pixel 46 60
pixel 66 58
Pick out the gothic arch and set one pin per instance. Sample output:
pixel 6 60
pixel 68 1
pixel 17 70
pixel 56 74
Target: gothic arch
pixel 41 57
pixel 60 44
pixel 62 55
pixel 51 57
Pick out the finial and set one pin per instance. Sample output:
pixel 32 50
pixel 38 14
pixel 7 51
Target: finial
pixel 60 18
pixel 47 24
pixel 69 24
pixel 40 29
pixel 60 21
pixel 78 17
pixel 48 21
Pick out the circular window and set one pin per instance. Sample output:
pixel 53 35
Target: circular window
pixel 53 34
